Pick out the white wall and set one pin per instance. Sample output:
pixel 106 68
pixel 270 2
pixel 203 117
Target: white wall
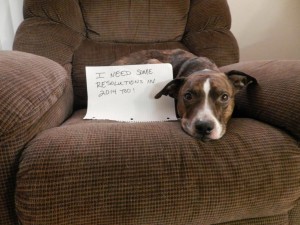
pixel 11 15
pixel 266 29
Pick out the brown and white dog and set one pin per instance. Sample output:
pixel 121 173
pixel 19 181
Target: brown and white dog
pixel 205 95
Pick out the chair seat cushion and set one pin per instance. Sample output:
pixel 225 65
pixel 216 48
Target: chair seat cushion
pixel 105 172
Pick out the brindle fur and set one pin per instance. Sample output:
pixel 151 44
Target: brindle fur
pixel 190 72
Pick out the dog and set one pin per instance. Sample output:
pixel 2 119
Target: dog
pixel 204 95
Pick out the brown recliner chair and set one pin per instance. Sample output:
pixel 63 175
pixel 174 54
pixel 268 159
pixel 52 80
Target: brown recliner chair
pixel 57 168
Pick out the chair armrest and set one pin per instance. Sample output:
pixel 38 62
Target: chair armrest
pixel 35 94
pixel 276 98
pixel 30 86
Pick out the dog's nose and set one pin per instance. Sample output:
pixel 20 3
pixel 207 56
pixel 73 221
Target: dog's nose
pixel 204 127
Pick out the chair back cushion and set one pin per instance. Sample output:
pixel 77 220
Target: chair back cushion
pixel 135 21
pixel 96 33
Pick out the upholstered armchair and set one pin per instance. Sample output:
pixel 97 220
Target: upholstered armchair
pixel 57 168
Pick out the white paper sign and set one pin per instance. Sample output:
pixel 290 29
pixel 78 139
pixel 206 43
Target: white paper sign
pixel 126 93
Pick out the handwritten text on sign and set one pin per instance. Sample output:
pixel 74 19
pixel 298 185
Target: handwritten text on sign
pixel 126 93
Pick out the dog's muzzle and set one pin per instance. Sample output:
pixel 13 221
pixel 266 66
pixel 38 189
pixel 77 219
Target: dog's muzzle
pixel 203 130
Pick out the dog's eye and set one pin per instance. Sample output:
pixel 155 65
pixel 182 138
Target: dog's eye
pixel 188 96
pixel 224 97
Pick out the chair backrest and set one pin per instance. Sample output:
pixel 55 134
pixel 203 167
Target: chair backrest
pixel 77 33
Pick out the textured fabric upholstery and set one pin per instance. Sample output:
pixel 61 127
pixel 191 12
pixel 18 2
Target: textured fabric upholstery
pixel 276 100
pixel 35 94
pixel 57 168
pixel 151 173
pixel 135 21
pixel 208 34
pixel 99 32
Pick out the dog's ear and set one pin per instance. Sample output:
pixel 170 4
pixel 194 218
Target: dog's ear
pixel 171 89
pixel 240 79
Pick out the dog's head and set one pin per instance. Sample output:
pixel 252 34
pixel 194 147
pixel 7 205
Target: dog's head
pixel 205 100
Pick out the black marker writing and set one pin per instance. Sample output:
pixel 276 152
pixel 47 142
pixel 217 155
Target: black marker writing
pixel 99 75
pixel 144 72
pixel 107 92
pixel 108 83
pixel 151 81
pixel 122 73
pixel 127 91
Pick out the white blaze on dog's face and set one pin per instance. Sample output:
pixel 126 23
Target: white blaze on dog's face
pixel 205 101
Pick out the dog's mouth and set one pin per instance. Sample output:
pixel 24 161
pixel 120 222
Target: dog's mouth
pixel 204 138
